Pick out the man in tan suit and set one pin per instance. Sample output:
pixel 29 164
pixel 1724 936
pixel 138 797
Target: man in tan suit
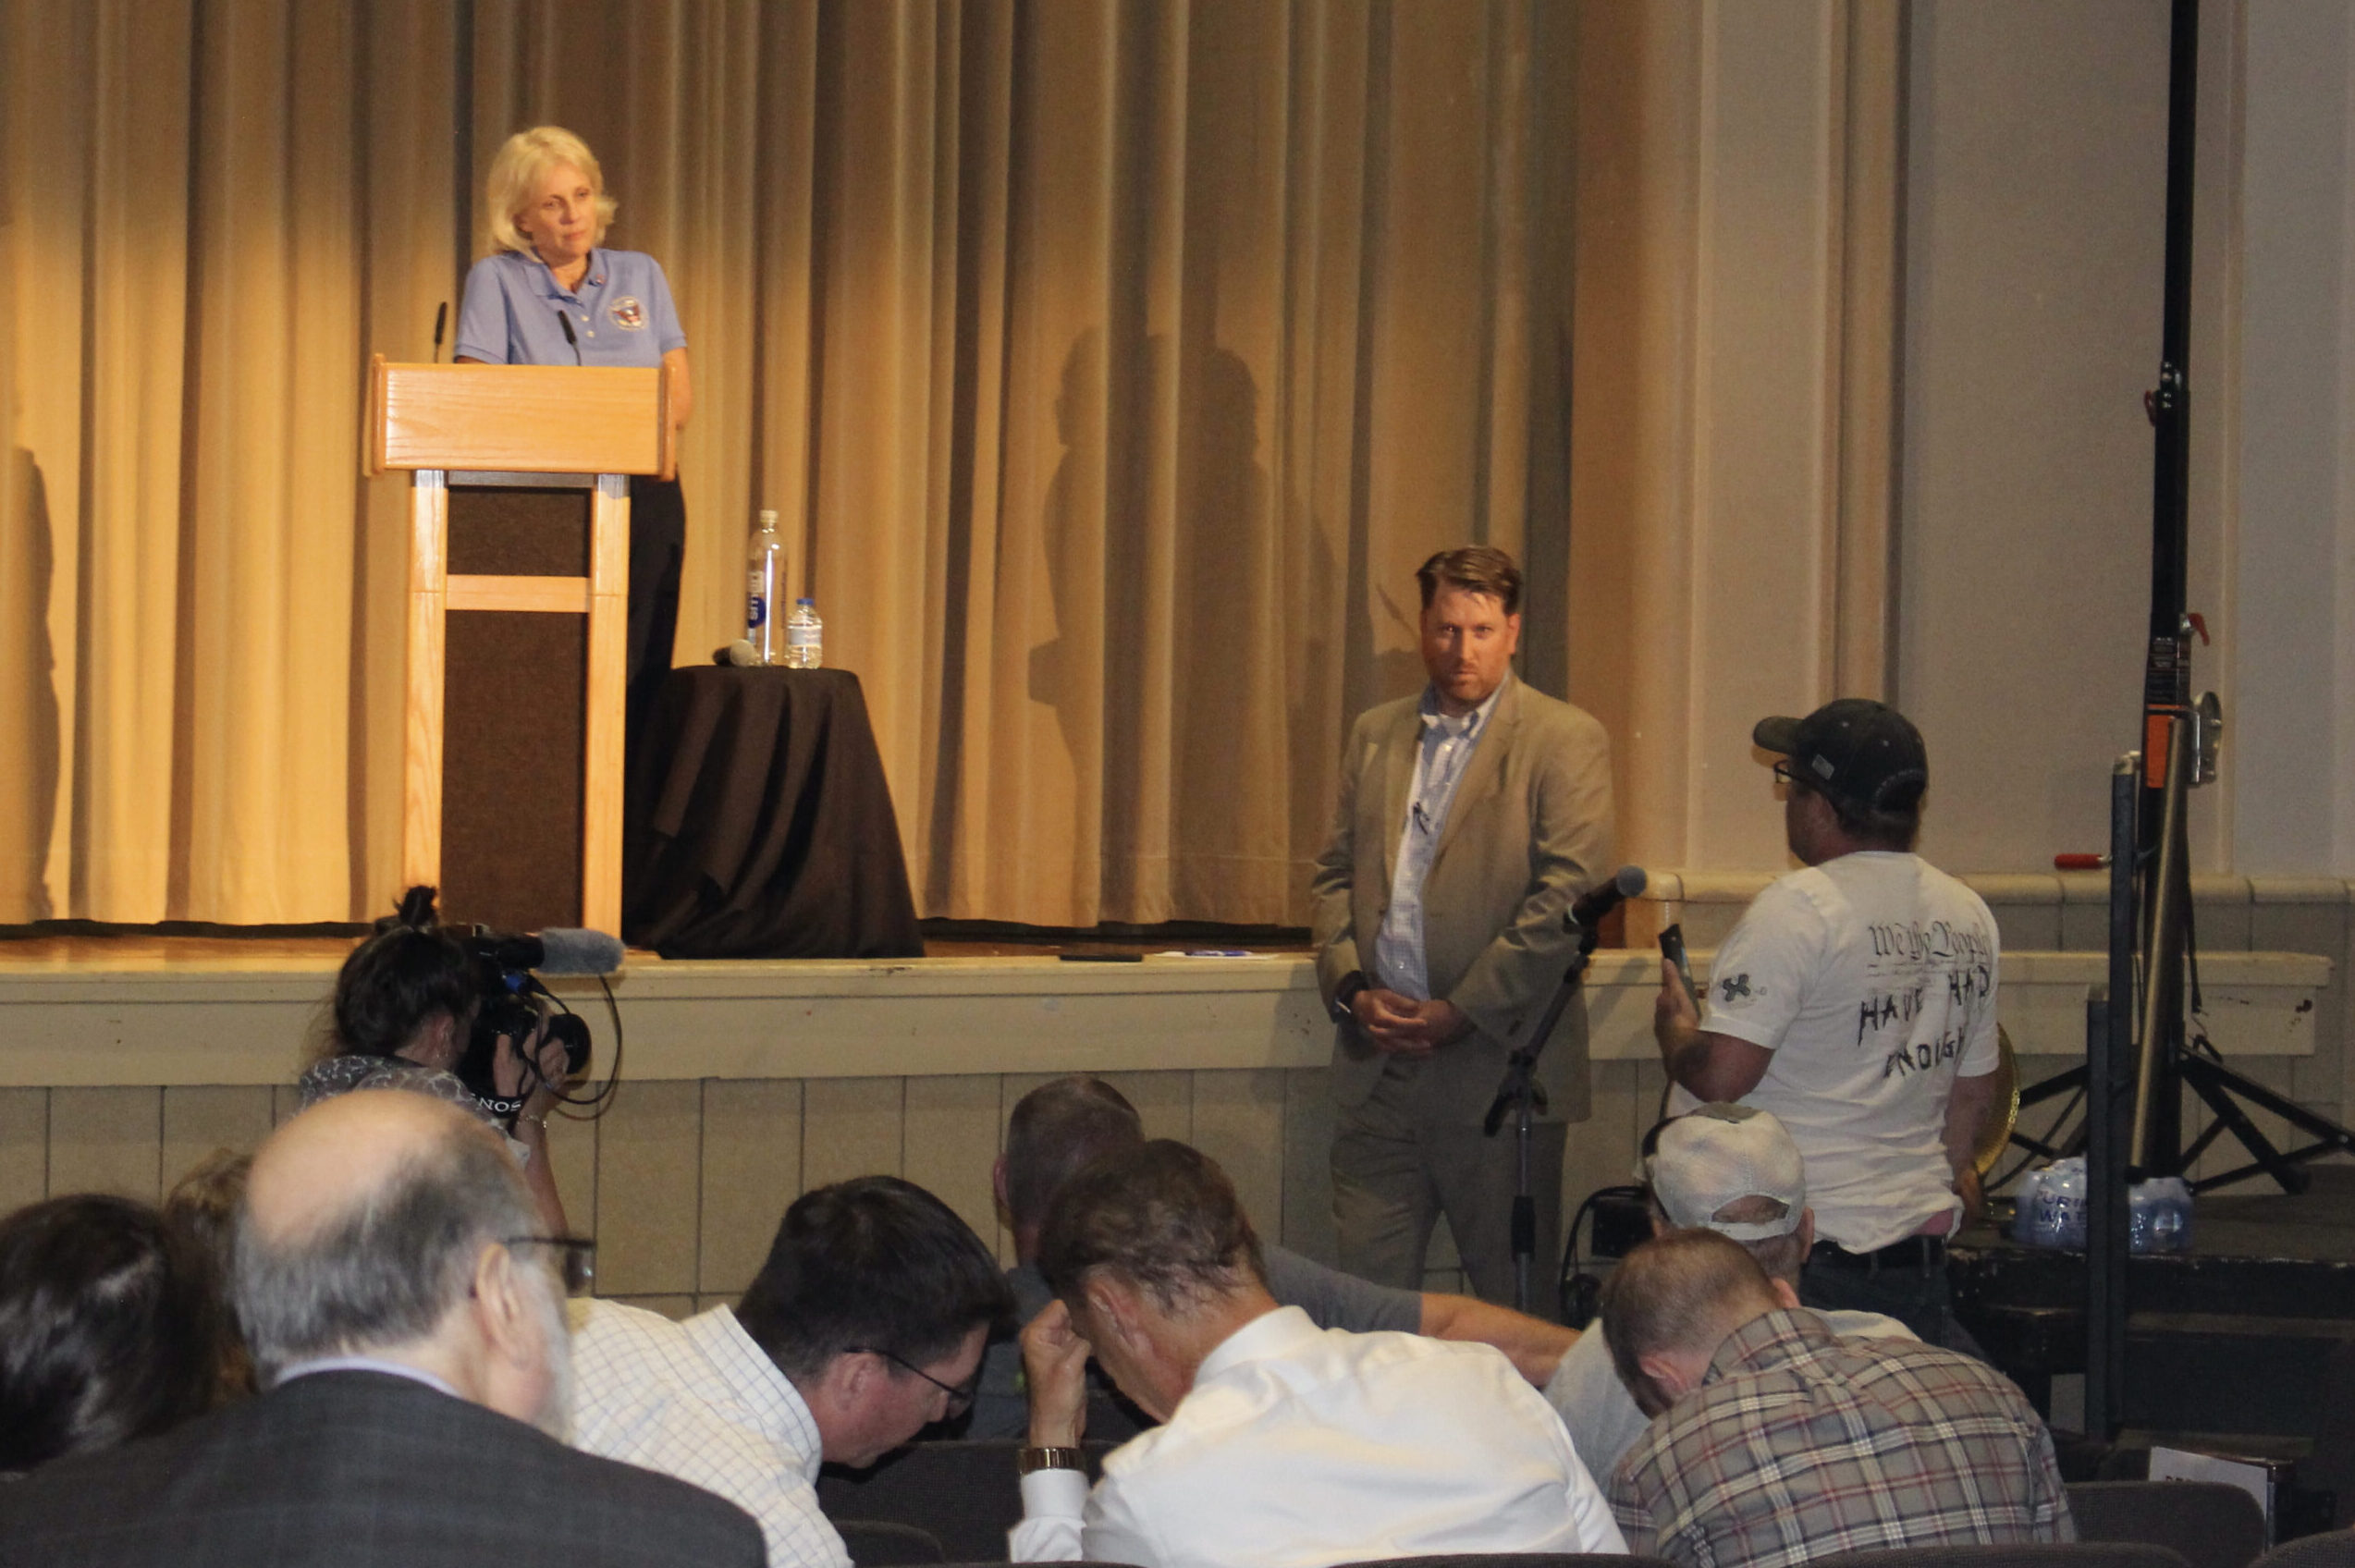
pixel 1471 816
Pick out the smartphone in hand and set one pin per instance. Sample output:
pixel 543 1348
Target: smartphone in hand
pixel 1672 948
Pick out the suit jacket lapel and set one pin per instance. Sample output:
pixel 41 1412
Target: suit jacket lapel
pixel 1398 786
pixel 1480 774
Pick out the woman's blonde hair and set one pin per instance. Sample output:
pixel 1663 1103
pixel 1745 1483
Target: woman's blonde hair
pixel 515 175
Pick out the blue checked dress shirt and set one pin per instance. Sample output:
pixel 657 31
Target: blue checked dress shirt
pixel 1439 768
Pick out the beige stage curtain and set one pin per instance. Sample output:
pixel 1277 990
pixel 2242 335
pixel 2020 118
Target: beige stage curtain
pixel 1113 365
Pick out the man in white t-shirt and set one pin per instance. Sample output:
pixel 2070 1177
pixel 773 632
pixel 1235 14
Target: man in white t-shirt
pixel 1855 1000
pixel 1729 1168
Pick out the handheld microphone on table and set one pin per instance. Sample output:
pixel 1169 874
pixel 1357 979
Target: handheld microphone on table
pixel 1587 914
pixel 565 322
pixel 441 320
pixel 739 652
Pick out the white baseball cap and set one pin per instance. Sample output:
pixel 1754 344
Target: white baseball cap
pixel 1718 1154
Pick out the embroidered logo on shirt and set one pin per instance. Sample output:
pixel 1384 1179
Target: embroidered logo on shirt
pixel 628 314
pixel 1735 985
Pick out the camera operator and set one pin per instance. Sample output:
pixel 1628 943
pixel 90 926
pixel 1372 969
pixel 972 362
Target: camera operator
pixel 403 1013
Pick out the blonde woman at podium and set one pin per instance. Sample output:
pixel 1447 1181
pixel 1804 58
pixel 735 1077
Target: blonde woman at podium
pixel 551 294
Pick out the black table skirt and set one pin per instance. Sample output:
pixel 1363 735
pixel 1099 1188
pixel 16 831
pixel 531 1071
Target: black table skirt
pixel 759 824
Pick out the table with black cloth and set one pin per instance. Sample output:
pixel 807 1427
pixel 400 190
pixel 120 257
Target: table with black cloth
pixel 759 824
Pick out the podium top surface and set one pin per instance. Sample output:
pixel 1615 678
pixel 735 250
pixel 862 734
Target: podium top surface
pixel 523 419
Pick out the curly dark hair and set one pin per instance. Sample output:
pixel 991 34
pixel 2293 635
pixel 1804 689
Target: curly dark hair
pixel 410 973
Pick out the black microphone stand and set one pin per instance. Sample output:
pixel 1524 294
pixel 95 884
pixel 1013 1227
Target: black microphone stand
pixel 1521 1094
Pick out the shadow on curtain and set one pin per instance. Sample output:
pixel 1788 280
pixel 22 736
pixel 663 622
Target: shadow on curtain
pixel 1113 366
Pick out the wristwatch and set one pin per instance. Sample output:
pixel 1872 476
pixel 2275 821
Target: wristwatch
pixel 1347 993
pixel 1030 1460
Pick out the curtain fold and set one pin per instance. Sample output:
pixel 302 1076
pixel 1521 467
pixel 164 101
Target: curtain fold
pixel 1111 364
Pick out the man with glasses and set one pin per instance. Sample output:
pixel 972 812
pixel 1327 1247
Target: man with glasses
pixel 1855 1000
pixel 865 1325
pixel 402 1308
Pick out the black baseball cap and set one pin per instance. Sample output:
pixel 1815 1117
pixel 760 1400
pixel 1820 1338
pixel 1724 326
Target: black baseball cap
pixel 1862 753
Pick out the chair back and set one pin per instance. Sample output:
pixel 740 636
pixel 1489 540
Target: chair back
pixel 2026 1554
pixel 875 1545
pixel 2213 1524
pixel 965 1493
pixel 2334 1549
pixel 1514 1560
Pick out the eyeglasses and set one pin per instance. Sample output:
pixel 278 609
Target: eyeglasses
pixel 578 1266
pixel 960 1394
pixel 1784 777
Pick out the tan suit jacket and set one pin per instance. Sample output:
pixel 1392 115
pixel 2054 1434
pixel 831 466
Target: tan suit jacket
pixel 1529 830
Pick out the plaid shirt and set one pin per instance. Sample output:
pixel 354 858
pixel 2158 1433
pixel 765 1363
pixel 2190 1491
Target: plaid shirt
pixel 1800 1443
pixel 700 1401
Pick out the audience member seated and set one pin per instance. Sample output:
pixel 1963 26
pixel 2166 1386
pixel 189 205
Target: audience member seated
pixel 1056 1129
pixel 1281 1443
pixel 409 1322
pixel 203 1206
pixel 1776 1441
pixel 108 1328
pixel 865 1325
pixel 1731 1168
pixel 403 1012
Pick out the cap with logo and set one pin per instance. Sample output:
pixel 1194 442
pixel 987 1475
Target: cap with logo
pixel 1719 1155
pixel 1863 753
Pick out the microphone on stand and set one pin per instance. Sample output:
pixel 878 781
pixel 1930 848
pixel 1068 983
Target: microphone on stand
pixel 565 322
pixel 1597 903
pixel 441 320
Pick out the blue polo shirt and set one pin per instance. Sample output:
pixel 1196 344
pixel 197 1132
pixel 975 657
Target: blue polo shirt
pixel 621 313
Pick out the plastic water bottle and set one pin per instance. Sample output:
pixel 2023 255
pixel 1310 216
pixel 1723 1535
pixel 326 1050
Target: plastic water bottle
pixel 2057 1216
pixel 763 574
pixel 2159 1215
pixel 804 636
pixel 2024 1197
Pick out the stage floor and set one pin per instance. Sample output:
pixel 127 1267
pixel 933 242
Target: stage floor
pixel 148 953
pixel 2261 1222
pixel 2317 1225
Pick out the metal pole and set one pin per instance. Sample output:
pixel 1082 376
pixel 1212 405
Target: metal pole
pixel 2108 1044
pixel 2166 671
pixel 1525 1208
pixel 2154 1145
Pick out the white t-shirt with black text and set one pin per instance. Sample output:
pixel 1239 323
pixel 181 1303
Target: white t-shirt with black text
pixel 1871 978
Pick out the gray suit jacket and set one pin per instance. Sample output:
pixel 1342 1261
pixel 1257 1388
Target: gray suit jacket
pixel 1529 830
pixel 357 1470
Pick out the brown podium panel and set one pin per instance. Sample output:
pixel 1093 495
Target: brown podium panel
pixel 513 730
pixel 505 532
pixel 512 768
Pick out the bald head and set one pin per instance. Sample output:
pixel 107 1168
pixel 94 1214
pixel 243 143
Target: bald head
pixel 1671 1303
pixel 335 1158
pixel 364 1220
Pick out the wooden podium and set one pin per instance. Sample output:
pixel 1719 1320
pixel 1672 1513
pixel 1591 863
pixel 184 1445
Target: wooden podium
pixel 519 606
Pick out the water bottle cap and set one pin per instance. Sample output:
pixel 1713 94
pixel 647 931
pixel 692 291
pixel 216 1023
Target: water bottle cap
pixel 806 599
pixel 768 520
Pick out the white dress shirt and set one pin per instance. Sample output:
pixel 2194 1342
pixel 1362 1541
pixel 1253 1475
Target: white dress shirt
pixel 1300 1446
pixel 700 1401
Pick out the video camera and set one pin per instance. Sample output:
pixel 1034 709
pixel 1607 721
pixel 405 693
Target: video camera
pixel 515 1004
